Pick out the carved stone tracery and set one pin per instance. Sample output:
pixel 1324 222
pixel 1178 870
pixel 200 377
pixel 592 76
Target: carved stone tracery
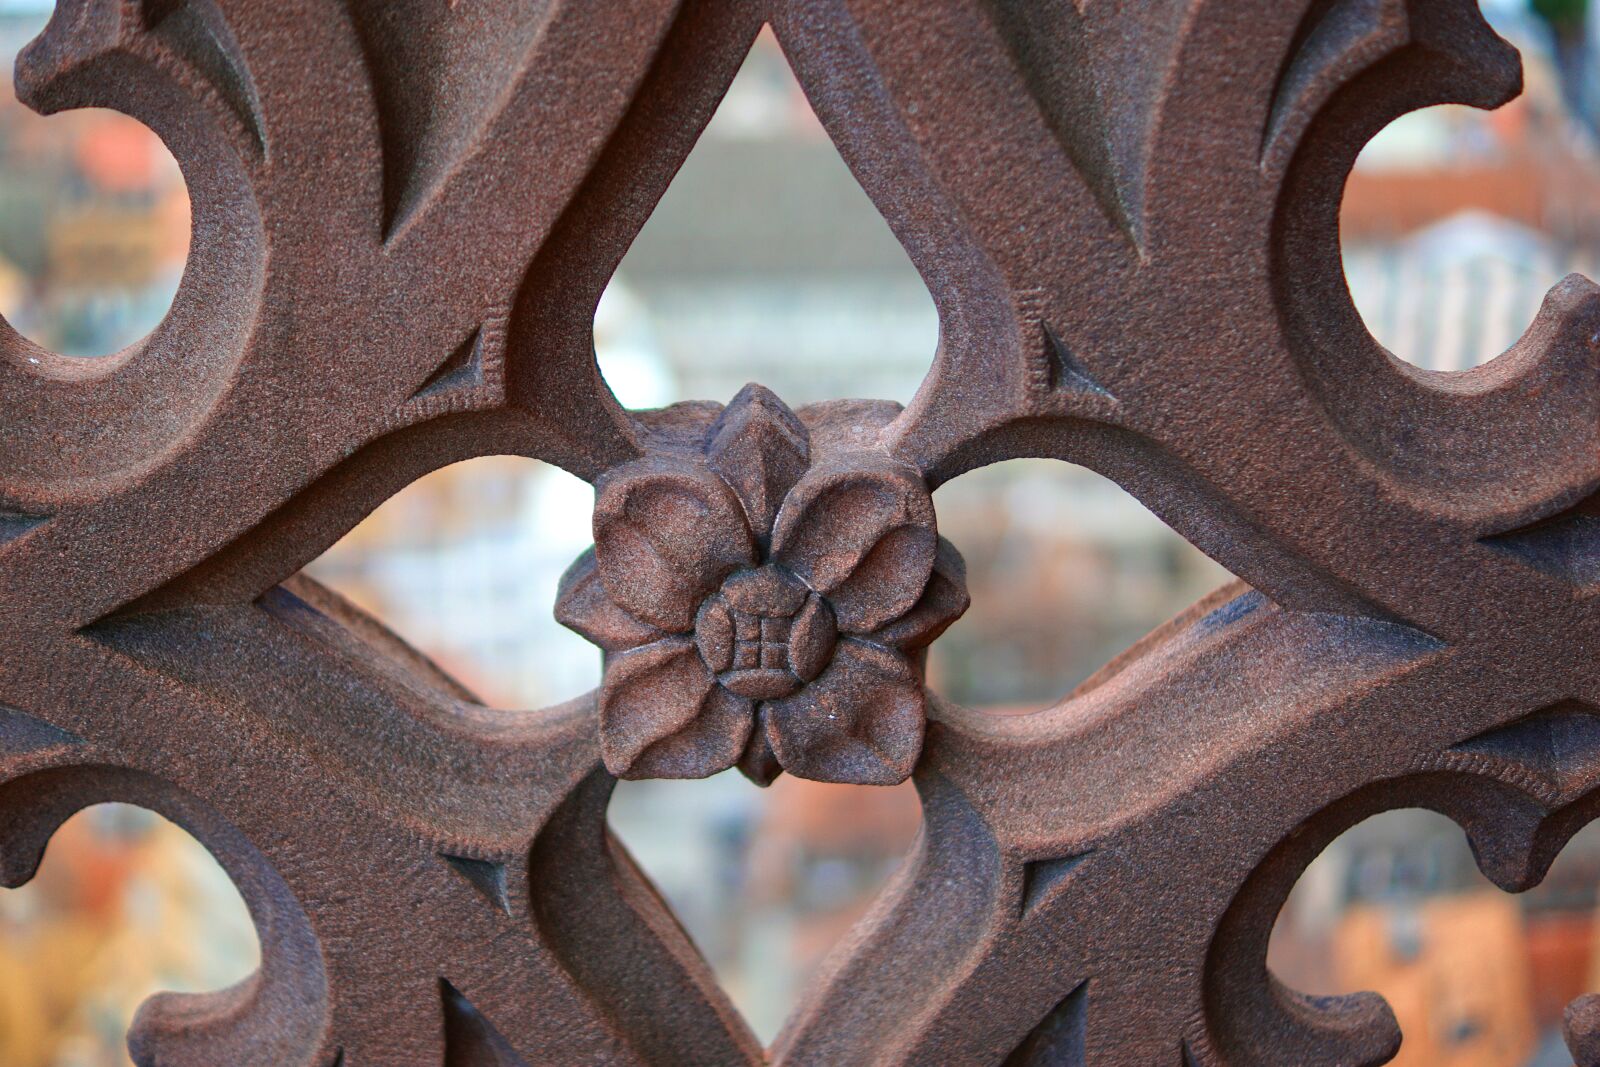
pixel 404 213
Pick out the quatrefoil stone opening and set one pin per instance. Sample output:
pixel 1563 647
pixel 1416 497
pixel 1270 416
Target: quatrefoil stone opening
pixel 763 596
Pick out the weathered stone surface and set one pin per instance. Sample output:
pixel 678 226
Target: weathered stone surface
pixel 404 214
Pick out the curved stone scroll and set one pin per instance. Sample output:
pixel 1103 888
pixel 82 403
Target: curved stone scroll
pixel 404 215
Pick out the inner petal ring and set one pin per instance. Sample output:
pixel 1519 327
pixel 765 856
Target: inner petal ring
pixel 764 634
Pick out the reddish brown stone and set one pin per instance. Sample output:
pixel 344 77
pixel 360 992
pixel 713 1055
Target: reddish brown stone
pixel 853 551
pixel 811 638
pixel 1128 214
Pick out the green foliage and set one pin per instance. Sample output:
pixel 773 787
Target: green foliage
pixel 1560 13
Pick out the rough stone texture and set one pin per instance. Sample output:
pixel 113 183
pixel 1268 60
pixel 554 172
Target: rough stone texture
pixel 762 606
pixel 404 213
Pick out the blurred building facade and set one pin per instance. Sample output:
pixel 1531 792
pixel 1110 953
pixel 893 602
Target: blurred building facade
pixel 94 219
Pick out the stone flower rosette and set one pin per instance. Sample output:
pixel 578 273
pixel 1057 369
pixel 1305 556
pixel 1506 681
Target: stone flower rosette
pixel 762 602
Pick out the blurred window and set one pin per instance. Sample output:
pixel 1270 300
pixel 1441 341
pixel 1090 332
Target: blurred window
pixel 464 563
pixel 766 881
pixel 1476 977
pixel 1457 221
pixel 1066 570
pixel 94 217
pixel 765 261
pixel 125 904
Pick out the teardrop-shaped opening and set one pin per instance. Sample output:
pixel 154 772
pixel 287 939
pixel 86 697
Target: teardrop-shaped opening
pixel 125 904
pixel 766 881
pixel 463 564
pixel 765 261
pixel 1066 570
pixel 94 217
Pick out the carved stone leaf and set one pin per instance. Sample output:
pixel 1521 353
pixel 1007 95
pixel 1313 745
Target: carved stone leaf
pixel 862 721
pixel 583 605
pixel 711 743
pixel 437 77
pixel 812 638
pixel 662 715
pixel 761 449
pixel 666 534
pixel 1054 49
pixel 757 762
pixel 862 533
pixel 944 601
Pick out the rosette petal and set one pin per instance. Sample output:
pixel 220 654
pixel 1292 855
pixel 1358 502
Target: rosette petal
pixel 761 449
pixel 758 763
pixel 860 530
pixel 663 715
pixel 942 603
pixel 861 722
pixel 583 605
pixel 666 533
pixel 812 636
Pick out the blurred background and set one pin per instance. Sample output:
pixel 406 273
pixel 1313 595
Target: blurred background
pixel 766 262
